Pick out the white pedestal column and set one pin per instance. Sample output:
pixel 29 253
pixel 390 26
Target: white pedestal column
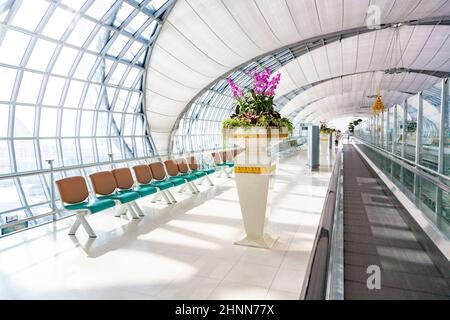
pixel 254 171
pixel 255 201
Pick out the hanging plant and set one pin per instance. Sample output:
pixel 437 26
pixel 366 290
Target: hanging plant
pixel 378 105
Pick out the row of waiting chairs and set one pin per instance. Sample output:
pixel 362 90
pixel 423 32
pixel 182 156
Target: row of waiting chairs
pixel 117 188
pixel 223 161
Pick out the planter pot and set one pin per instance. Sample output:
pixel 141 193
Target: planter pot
pixel 254 170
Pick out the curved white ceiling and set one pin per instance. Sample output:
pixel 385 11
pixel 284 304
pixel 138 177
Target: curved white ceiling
pixel 354 99
pixel 425 48
pixel 367 81
pixel 203 39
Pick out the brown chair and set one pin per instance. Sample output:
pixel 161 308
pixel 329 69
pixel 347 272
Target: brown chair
pixel 178 178
pixel 217 159
pixel 125 182
pixel 143 174
pixel 185 167
pixel 171 168
pixel 159 174
pixel 220 163
pixel 144 178
pixel 74 195
pixel 228 157
pixel 193 165
pixel 105 187
pixel 158 171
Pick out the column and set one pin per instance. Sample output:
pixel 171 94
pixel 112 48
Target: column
pixel 443 136
pixel 418 144
pixel 313 146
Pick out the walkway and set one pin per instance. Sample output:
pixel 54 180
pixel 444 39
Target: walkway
pixel 378 231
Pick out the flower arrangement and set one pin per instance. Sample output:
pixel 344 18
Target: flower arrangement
pixel 254 107
pixel 353 124
pixel 324 129
pixel 411 126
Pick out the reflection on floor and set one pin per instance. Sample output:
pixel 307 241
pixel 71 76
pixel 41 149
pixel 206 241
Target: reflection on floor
pixel 184 251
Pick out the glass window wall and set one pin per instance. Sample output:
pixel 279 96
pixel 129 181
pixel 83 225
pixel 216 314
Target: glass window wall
pixel 71 88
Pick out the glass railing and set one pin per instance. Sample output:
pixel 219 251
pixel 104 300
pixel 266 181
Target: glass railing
pixel 324 277
pixel 426 188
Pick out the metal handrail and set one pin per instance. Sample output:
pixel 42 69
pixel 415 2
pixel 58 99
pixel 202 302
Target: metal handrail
pixel 411 166
pixel 104 163
pixel 335 276
pixel 315 282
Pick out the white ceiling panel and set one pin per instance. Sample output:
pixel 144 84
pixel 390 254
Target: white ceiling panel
pixel 201 35
pixel 277 16
pixel 226 27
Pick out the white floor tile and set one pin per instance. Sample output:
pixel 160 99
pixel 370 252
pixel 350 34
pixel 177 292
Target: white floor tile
pixel 252 274
pixel 281 295
pixel 236 291
pixel 289 280
pixel 195 288
pixel 271 258
pixel 215 268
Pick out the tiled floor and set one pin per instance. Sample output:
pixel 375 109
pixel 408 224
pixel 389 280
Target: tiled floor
pixel 184 251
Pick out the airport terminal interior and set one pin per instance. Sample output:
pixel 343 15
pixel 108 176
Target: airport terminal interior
pixel 224 149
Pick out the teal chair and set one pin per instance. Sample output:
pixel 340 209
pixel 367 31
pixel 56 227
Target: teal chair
pixel 180 179
pixel 160 177
pixel 105 187
pixel 193 167
pixel 125 183
pixel 75 197
pixel 221 165
pixel 144 177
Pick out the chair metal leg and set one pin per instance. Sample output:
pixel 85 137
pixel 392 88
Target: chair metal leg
pixel 131 211
pixel 74 227
pixel 120 210
pixel 138 209
pixel 81 220
pixel 170 196
pixel 166 198
pixel 197 190
pixel 189 185
pixel 207 178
